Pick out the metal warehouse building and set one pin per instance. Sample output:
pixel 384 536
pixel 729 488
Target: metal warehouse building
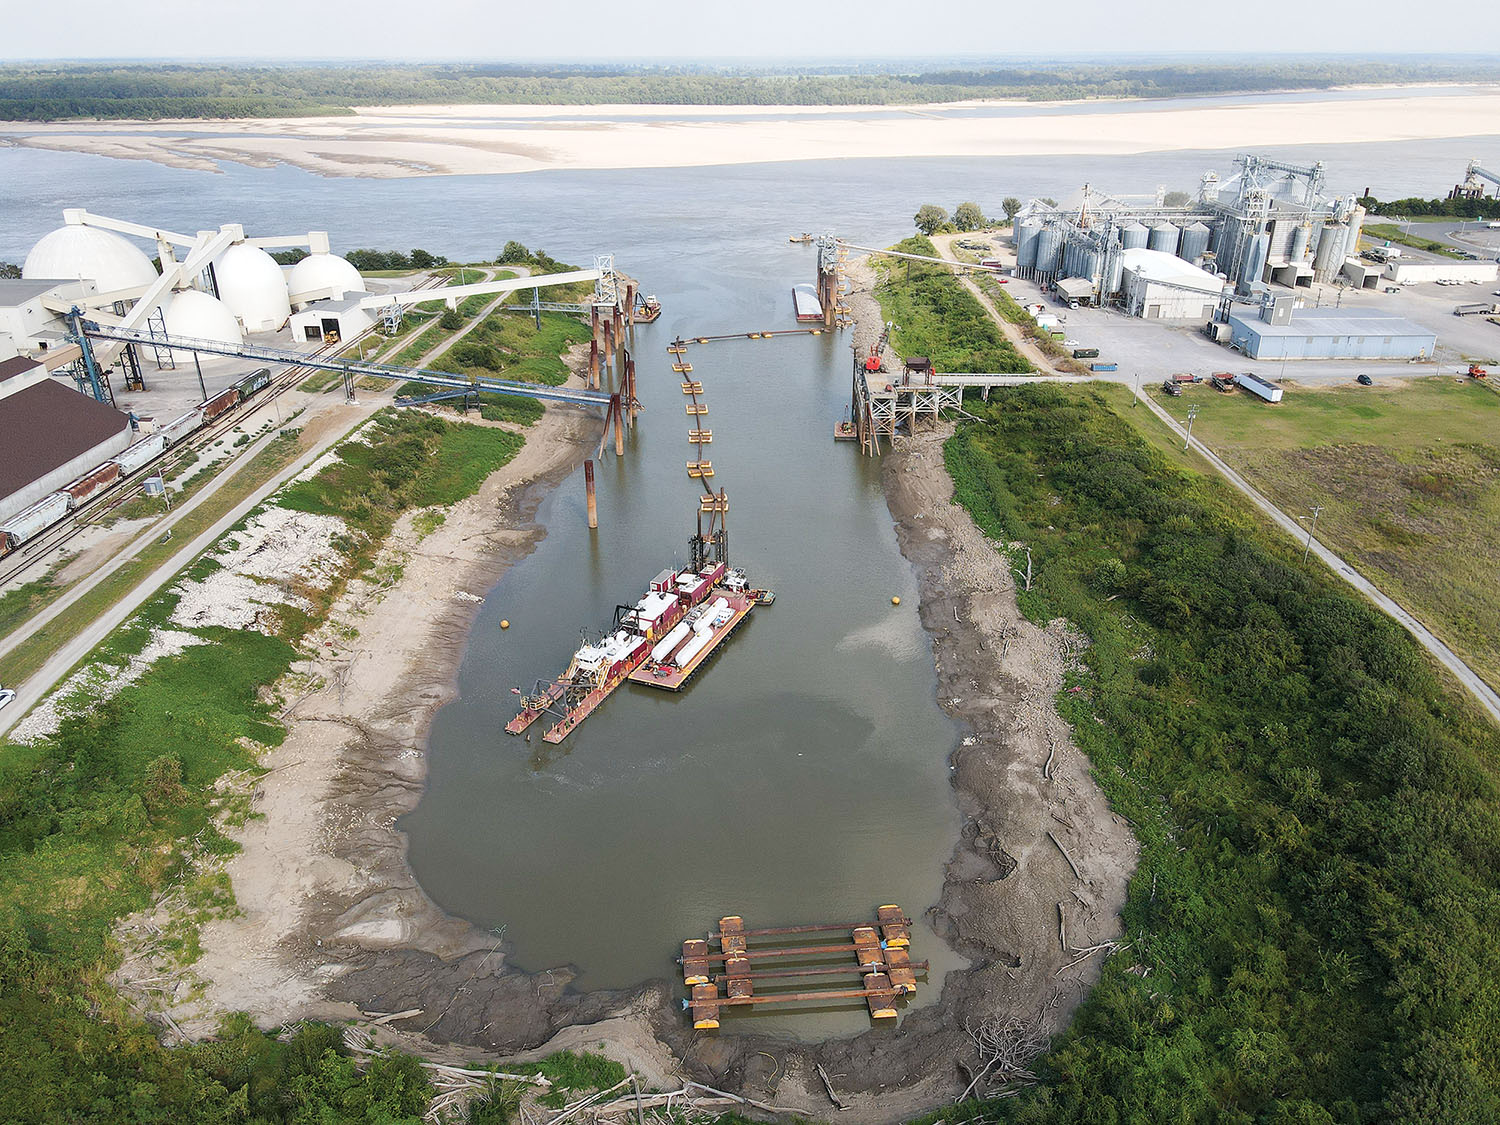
pixel 49 434
pixel 1328 334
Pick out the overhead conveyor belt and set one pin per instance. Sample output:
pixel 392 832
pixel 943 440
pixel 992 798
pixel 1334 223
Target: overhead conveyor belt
pixel 353 367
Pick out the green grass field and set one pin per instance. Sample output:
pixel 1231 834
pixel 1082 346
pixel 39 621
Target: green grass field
pixel 1408 474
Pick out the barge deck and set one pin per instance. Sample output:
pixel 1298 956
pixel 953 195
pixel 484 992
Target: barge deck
pixel 669 676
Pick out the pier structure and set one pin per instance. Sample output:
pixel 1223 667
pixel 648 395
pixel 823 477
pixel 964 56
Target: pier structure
pixel 746 969
pixel 884 404
pixel 832 284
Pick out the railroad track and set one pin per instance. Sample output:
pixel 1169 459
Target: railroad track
pixel 98 508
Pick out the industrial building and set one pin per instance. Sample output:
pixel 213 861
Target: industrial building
pixel 332 320
pixel 1279 331
pixel 1268 223
pixel 1156 285
pixel 49 434
pixel 217 285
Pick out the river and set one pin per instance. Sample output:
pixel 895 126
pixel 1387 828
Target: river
pixel 803 775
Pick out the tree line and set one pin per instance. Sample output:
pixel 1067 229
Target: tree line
pixel 36 92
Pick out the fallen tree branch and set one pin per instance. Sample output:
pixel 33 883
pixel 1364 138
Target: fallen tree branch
pixel 1065 855
pixel 828 1085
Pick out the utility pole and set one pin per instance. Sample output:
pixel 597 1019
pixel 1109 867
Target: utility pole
pixel 1317 510
pixel 1137 398
pixel 1192 413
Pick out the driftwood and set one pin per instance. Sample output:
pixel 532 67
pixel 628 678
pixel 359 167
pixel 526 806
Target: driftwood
pixel 828 1085
pixel 1005 1052
pixel 1065 856
pixel 379 1019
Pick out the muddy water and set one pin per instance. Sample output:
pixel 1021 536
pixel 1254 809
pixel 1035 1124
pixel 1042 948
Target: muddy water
pixel 803 774
pixel 801 777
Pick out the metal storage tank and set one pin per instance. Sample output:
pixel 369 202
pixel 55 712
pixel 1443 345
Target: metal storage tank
pixel 1026 236
pixel 1164 238
pixel 1116 272
pixel 1089 264
pixel 1356 224
pixel 1297 252
pixel 1330 254
pixel 1048 250
pixel 1194 242
pixel 1134 236
pixel 1255 259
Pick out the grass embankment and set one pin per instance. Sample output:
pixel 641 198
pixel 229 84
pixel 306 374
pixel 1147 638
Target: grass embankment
pixel 937 317
pixel 1318 814
pixel 1390 232
pixel 120 806
pixel 1408 477
pixel 1311 923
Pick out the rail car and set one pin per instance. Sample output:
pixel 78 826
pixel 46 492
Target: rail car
pixel 28 524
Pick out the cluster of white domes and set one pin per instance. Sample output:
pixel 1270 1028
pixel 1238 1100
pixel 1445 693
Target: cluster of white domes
pixel 318 273
pixel 76 252
pixel 255 293
pixel 198 316
pixel 253 287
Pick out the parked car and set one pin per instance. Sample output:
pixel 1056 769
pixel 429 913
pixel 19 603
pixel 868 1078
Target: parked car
pixel 1070 343
pixel 6 695
pixel 1393 288
pixel 1364 380
pixel 1172 388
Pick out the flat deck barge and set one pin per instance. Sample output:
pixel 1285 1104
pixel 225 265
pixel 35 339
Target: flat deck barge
pixel 666 673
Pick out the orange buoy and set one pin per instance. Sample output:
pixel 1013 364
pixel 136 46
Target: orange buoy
pixel 895 601
pixel 504 623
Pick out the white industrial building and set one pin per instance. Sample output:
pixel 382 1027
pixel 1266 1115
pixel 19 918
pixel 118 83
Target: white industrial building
pixel 331 320
pixel 1415 273
pixel 26 321
pixel 1161 286
pixel 1278 331
pixel 215 285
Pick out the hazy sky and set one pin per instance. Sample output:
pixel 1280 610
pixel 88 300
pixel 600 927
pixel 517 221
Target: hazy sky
pixel 690 30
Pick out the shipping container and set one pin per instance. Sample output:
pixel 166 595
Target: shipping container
pixel 1259 387
pixel 82 490
pixel 179 428
pixel 1085 353
pixel 37 518
pixel 1104 367
pixel 220 402
pixel 141 453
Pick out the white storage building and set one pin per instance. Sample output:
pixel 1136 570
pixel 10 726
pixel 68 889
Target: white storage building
pixel 1161 286
pixel 327 320
pixel 1330 334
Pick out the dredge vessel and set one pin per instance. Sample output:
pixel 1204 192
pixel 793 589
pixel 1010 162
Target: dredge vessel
pixel 663 639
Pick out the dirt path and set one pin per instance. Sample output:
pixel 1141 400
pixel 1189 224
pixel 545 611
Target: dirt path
pixel 1023 343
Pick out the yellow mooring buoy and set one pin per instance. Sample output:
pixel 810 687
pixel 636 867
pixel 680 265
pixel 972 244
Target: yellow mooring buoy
pixel 895 601
pixel 504 624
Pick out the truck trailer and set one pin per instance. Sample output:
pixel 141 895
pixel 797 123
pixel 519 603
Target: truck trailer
pixel 1259 387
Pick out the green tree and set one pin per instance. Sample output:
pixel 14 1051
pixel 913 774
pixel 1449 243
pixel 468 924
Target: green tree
pixel 422 259
pixel 451 320
pixel 1176 199
pixel 968 216
pixel 9 270
pixel 930 218
pixel 513 252
pixel 1012 207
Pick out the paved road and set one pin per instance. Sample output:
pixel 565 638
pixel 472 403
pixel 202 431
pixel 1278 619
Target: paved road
pixel 1486 695
pixel 1481 691
pixel 63 661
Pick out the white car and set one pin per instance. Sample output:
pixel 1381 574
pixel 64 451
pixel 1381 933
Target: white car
pixel 6 695
pixel 1071 344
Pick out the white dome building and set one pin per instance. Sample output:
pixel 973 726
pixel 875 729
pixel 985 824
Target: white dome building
pixel 201 317
pixel 320 272
pixel 253 288
pixel 83 253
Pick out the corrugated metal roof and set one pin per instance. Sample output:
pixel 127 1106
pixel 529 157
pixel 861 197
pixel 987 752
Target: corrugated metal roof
pixel 1333 322
pixel 47 425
